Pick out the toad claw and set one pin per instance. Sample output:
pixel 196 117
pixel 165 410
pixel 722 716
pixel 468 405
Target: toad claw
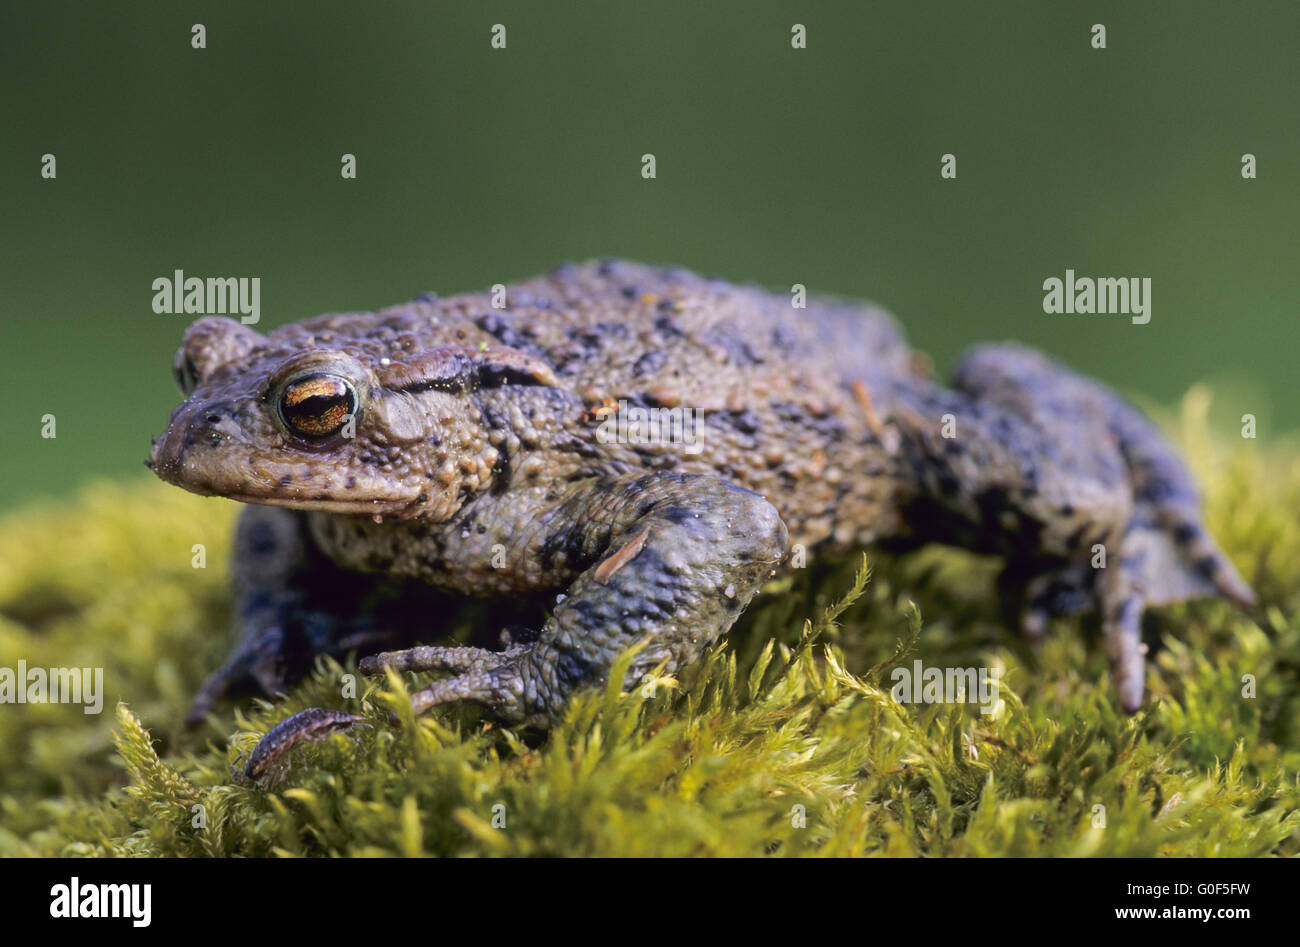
pixel 483 676
pixel 427 658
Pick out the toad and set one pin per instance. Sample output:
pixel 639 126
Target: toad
pixel 465 443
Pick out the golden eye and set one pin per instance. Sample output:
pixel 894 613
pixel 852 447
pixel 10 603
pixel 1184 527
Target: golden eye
pixel 318 405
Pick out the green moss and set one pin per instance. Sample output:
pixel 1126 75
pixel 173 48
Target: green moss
pixel 784 740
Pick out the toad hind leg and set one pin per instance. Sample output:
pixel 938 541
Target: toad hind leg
pixel 673 559
pixel 1046 462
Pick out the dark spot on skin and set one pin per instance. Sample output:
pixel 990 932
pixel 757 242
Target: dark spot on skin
pixel 507 333
pixel 785 411
pixel 648 363
pixel 1157 491
pixel 585 608
pixel 502 472
pixel 668 325
pixel 730 339
pixel 746 422
pixel 614 330
pixel 587 338
pixel 1207 566
pixel 829 428
pixel 679 515
pixel 783 339
pixel 1066 511
pixel 1184 533
pixel 351 483
pixel 566 548
pixel 571 667
pixel 495 416
pixel 285 480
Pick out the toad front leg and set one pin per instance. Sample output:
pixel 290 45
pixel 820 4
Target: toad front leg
pixel 670 558
pixel 292 604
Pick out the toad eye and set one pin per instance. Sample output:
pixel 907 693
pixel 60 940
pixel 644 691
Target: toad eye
pixel 317 405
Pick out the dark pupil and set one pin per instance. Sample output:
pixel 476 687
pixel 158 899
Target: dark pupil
pixel 317 406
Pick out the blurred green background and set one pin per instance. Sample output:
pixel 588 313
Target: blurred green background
pixel 477 166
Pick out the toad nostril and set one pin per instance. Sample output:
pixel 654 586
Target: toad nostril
pixel 213 418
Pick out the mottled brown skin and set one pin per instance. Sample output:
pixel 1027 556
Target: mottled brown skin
pixel 452 443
